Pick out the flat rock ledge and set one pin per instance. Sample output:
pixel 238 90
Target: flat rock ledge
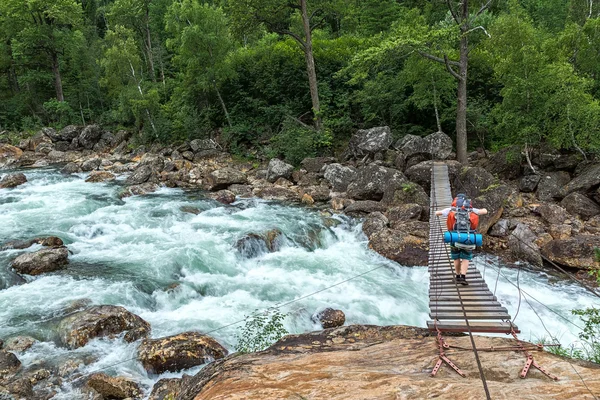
pixel 393 362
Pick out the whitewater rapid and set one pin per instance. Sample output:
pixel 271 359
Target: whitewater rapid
pixel 182 272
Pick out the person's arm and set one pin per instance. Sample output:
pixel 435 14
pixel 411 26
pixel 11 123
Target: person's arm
pixel 443 212
pixel 481 211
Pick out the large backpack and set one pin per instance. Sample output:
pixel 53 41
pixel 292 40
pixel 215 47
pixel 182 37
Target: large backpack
pixel 462 219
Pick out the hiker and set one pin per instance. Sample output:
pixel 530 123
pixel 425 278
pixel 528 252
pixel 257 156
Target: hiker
pixel 462 218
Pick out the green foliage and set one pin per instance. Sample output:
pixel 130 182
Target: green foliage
pixel 59 113
pixel 261 330
pixel 296 142
pixel 591 333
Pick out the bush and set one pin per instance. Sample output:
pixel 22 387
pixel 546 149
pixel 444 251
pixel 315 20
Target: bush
pixel 261 330
pixel 296 142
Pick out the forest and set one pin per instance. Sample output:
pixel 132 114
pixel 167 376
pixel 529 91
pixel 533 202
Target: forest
pixel 295 78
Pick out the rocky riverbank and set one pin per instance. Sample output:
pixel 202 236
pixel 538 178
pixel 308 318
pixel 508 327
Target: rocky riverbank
pixel 551 211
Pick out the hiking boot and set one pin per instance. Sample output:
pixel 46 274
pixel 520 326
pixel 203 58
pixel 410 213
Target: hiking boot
pixel 463 280
pixel 458 279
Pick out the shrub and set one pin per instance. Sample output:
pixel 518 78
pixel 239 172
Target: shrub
pixel 261 330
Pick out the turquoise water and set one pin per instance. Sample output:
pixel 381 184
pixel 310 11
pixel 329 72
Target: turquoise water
pixel 129 252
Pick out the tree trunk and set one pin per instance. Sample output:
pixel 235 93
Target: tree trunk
pixel 310 65
pixel 149 45
pixel 222 104
pixel 461 109
pixel 57 78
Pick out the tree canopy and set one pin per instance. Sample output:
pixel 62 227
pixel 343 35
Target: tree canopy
pixel 297 78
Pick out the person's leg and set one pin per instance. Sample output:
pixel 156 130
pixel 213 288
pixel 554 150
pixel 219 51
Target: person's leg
pixel 457 266
pixel 464 266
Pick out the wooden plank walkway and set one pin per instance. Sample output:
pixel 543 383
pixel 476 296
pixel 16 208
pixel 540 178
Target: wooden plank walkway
pixel 448 302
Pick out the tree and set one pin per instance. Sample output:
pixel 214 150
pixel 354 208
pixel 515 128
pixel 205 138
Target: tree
pixel 277 16
pixel 201 41
pixel 464 21
pixel 42 27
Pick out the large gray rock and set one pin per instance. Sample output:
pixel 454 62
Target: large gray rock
pixel 370 141
pixel 329 318
pixel 375 222
pixel 589 178
pixel 578 204
pixel 12 180
pixel 177 352
pixel 506 163
pixel 339 176
pixel 165 389
pixel 552 214
pixel 140 175
pixel 91 165
pixel 473 181
pixel 111 387
pixel 438 145
pixel 222 178
pixel 278 169
pixel 316 164
pixel 576 252
pixel 364 207
pixel 522 246
pixel 412 145
pixel 68 133
pixel 372 181
pixel 78 329
pixel 41 261
pixel 500 228
pixel 550 184
pixel 90 135
pixel 400 246
pixel 493 200
pixel 398 215
pixel 156 162
pixel 407 193
pixel 9 363
pixel 202 144
pixel 9 155
pixel 528 183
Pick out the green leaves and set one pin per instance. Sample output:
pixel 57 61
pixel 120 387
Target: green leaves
pixel 261 330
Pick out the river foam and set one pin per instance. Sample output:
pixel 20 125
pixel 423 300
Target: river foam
pixel 181 271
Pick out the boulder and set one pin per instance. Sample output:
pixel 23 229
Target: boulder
pixel 253 244
pixel 41 261
pixel 68 133
pixel 407 193
pixel 44 148
pixel 375 222
pixel 405 212
pixel 278 169
pixel 552 214
pixel 329 318
pixel 362 207
pixel 188 155
pixel 224 196
pixel 56 156
pixel 400 246
pixel 339 203
pixel 372 181
pixel 71 168
pixel 154 161
pixel 317 193
pixel 165 389
pixel 12 180
pixel 438 145
pixel 19 343
pixel 528 183
pixel 140 175
pixel 588 178
pixel 190 210
pixel 472 181
pixel 222 178
pixel 578 204
pixel 567 162
pixel 411 145
pixel 339 176
pixel 78 329
pixel 139 190
pixel 9 363
pixel 506 163
pixel 550 184
pixel 9 155
pixel 560 231
pixel 275 192
pixel 241 190
pixel 369 141
pixel 316 164
pixel 309 179
pixel 114 387
pixel 500 228
pixel 400 161
pixel 576 252
pixel 492 199
pixel 37 140
pixel 49 241
pixel 91 165
pixel 202 144
pixel 90 135
pixel 178 352
pixel 522 246
pixel 100 176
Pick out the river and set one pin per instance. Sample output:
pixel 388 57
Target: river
pixel 182 272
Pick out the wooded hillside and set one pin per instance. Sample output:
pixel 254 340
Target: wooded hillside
pixel 295 78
